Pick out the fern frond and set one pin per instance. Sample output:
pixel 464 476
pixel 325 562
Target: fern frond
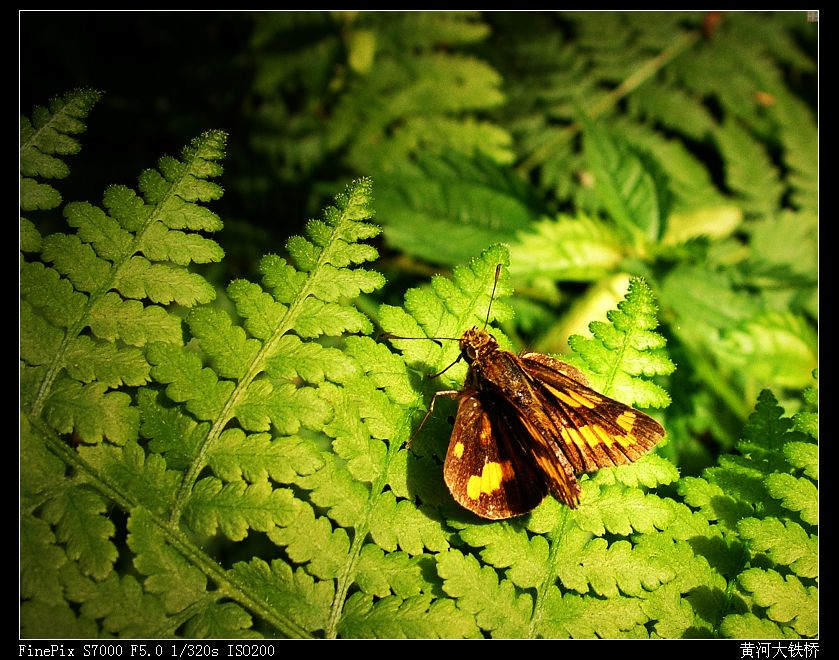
pixel 576 248
pixel 417 79
pixel 254 369
pixel 82 280
pixel 627 349
pixel 410 618
pixel 450 207
pixel 493 602
pixel 628 185
pixel 44 140
pixel 768 514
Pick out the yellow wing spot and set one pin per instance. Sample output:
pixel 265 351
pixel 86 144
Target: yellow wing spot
pixel 572 436
pixel 489 480
pixel 627 440
pixel 575 399
pixel 594 436
pixel 606 437
pixel 626 420
pixel 457 452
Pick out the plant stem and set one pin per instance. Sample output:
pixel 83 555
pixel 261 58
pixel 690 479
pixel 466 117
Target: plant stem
pixel 635 80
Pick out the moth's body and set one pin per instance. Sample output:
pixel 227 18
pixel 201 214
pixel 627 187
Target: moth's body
pixel 526 424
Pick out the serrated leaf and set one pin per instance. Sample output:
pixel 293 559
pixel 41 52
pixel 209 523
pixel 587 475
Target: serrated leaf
pixel 452 207
pixel 621 511
pixel 617 567
pixel 45 620
pixel 169 575
pixel 785 543
pixel 509 547
pixel 495 604
pixel 380 574
pixel 162 283
pixel 113 318
pixel 77 515
pixel 312 541
pixel 565 249
pixel 571 615
pixel 750 626
pixel 803 455
pixel 87 360
pixel 796 495
pixel 143 479
pixel 301 604
pixel 91 412
pixel 258 456
pixel 414 617
pixel 220 620
pixel 625 184
pixel 76 260
pixel 788 601
pixel 400 524
pixel 40 575
pixel 121 604
pixel 234 508
pixel 623 351
pixel 334 488
pixel 50 134
pixel 188 381
pixel 777 349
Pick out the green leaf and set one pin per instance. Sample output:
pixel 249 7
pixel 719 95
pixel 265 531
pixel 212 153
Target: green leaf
pixel 47 137
pixel 566 248
pixel 381 574
pixel 169 575
pixel 796 495
pixel 121 604
pixel 402 524
pixel 91 412
pixel 449 208
pixel 509 547
pixel 86 533
pixel 626 184
pixel 627 348
pixel 776 348
pixel 40 575
pixel 571 615
pixel 788 602
pixel 411 618
pixel 81 288
pixel 233 508
pixel 749 170
pixel 750 626
pixel 301 603
pixel 312 541
pixel 493 602
pixel 621 511
pixel 785 543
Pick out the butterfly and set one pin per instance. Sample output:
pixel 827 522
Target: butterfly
pixel 527 425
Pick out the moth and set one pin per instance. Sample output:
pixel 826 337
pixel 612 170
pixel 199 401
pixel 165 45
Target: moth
pixel 527 425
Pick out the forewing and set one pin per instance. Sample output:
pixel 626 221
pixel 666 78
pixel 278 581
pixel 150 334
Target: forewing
pixel 593 431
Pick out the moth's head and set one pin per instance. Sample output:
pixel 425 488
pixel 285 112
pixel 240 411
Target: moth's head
pixel 474 342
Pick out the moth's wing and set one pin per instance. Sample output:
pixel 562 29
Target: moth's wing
pixel 592 430
pixel 489 469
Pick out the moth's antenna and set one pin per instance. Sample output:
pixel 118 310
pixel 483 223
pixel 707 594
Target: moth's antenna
pixel 390 335
pixel 492 297
pixel 436 340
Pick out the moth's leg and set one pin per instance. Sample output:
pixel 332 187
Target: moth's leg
pixel 451 394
